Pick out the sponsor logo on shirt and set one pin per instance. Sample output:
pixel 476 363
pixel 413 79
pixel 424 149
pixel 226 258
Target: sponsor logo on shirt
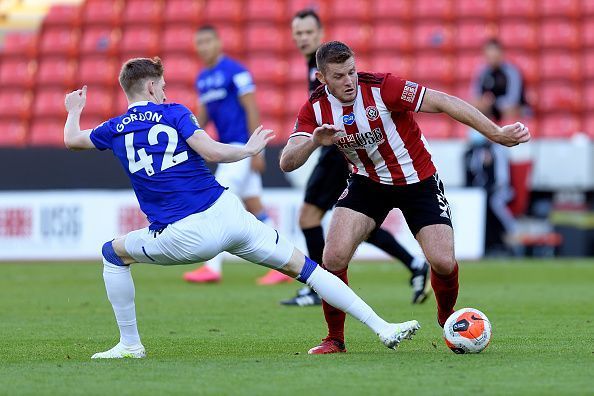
pixel 348 119
pixel 410 91
pixel 194 120
pixel 372 113
pixel 361 140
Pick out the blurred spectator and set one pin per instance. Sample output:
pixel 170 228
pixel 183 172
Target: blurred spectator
pixel 498 88
pixel 487 166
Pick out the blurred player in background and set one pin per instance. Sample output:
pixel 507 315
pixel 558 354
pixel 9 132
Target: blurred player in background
pixel 227 97
pixel 369 117
pixel 498 88
pixel 328 180
pixel 192 217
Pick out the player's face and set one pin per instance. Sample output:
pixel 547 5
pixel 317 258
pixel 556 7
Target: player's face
pixel 208 46
pixel 307 35
pixel 157 90
pixel 341 79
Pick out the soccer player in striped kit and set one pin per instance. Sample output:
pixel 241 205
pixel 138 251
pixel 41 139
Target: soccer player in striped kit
pixel 369 117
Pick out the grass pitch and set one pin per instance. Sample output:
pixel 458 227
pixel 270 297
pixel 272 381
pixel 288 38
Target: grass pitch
pixel 234 338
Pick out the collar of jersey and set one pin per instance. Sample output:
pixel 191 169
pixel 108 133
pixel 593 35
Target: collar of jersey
pixel 141 103
pixel 332 98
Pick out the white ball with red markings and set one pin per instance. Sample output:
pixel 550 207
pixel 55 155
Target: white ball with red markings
pixel 467 330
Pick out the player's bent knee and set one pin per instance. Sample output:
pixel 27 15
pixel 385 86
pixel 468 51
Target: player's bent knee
pixel 109 254
pixel 335 260
pixel 442 266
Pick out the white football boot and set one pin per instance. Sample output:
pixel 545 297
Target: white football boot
pixel 121 351
pixel 397 332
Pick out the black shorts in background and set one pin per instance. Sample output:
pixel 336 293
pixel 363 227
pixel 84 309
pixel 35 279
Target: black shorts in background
pixel 328 179
pixel 422 204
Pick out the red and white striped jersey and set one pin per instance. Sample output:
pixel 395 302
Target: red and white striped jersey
pixel 382 139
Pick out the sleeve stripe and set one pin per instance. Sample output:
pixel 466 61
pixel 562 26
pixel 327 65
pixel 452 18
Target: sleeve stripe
pixel 420 101
pixel 304 134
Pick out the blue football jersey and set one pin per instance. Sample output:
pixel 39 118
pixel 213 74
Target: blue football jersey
pixel 219 89
pixel 171 181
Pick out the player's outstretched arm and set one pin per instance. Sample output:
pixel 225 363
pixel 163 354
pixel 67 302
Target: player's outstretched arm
pixel 74 138
pixel 300 148
pixel 508 135
pixel 213 151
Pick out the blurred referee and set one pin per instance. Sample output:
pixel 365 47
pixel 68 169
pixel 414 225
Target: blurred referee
pixel 329 179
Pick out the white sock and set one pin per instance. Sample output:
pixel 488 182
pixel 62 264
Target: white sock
pixel 336 293
pixel 120 292
pixel 215 264
pixel 417 263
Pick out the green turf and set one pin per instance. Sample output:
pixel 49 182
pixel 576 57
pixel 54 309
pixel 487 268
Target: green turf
pixel 234 338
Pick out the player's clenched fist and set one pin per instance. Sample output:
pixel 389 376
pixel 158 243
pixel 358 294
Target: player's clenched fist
pixel 75 101
pixel 325 135
pixel 512 135
pixel 259 139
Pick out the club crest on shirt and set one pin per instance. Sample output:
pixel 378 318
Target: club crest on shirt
pixel 194 120
pixel 372 113
pixel 348 119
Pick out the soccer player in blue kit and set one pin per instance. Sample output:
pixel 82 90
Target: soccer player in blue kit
pixel 192 217
pixel 228 99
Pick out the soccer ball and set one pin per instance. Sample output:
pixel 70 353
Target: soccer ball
pixel 467 330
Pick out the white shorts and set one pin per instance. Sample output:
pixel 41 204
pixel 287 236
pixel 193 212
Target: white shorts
pixel 241 179
pixel 224 227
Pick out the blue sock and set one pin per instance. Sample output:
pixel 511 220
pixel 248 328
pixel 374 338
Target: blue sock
pixel 110 255
pixel 308 267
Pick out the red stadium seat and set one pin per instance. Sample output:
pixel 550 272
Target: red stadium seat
pixel 181 69
pixel 16 72
pixel 63 15
pixel 19 44
pixel 391 10
pixel 280 128
pixel 433 9
pixel 322 8
pixel 228 11
pixel 120 102
pixel 587 7
pixel 99 101
pixel 270 101
pixel 432 35
pixel 59 41
pixel 296 96
pixel 48 131
pixel 434 126
pixel 559 34
pixel 391 37
pixel 518 9
pixel 472 35
pixel 356 36
pixel 588 32
pixel 432 68
pixel 91 121
pixel 467 66
pixel 97 71
pixel 588 98
pixel 266 38
pixel 266 11
pixel 588 65
pixel 13 132
pixel 560 65
pixel 268 69
pixel 139 41
pixel 528 64
pixel 558 125
pixel 142 12
pixel 297 70
pixel 55 72
pixel 232 38
pixel 99 40
pixel 15 103
pixel 178 39
pixel 391 63
pixel 559 8
pixel 518 35
pixel 475 9
pixel 49 103
pixel 588 125
pixel 183 11
pixel 101 12
pixel 182 94
pixel 354 10
pixel 559 96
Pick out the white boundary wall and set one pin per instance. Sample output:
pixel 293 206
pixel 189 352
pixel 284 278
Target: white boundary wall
pixel 70 225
